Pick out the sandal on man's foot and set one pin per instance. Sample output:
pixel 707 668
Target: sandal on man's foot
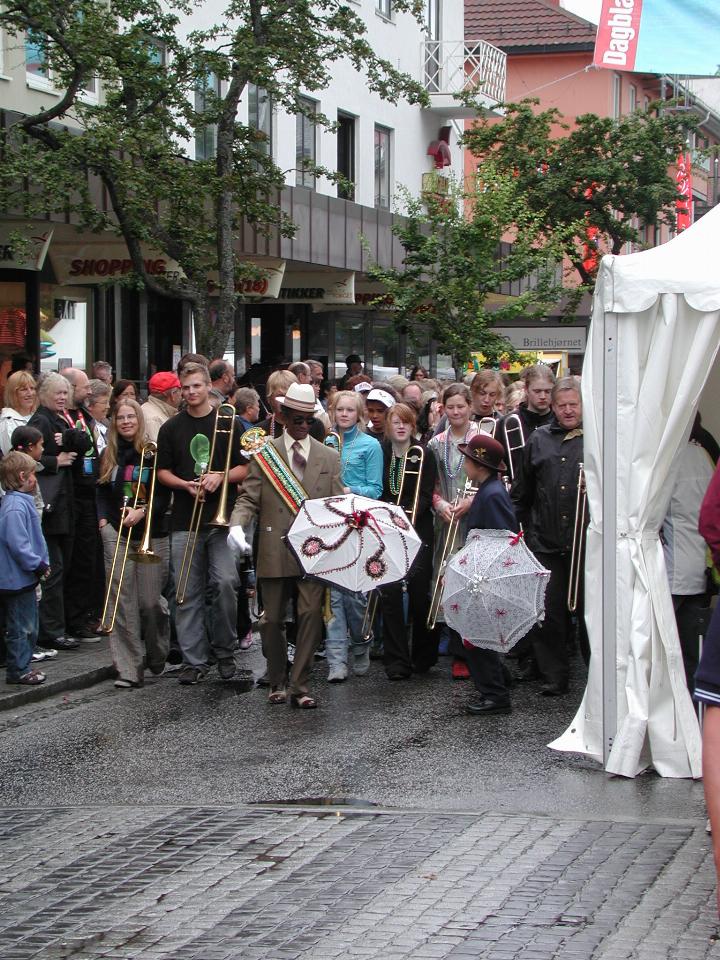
pixel 277 696
pixel 303 702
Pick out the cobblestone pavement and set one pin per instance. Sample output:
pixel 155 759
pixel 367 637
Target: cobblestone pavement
pixel 244 883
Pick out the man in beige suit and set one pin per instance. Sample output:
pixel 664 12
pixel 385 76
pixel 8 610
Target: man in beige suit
pixel 292 467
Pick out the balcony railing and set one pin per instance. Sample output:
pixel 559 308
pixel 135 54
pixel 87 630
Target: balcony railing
pixel 454 66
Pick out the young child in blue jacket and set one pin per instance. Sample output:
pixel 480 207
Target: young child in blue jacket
pixel 23 563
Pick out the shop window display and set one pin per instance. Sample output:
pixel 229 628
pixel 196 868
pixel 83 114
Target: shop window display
pixel 63 327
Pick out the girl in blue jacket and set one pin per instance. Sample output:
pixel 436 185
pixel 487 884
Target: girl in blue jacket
pixel 361 461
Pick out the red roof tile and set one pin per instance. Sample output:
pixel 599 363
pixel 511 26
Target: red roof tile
pixel 526 24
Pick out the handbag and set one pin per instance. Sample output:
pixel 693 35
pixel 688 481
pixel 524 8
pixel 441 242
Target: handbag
pixel 51 488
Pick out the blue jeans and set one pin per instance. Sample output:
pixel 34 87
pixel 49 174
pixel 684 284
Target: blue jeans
pixel 347 614
pixel 22 632
pixel 213 566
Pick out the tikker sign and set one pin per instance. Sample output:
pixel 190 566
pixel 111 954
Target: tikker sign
pixel 659 36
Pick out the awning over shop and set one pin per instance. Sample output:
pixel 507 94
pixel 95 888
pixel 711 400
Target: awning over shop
pixel 31 252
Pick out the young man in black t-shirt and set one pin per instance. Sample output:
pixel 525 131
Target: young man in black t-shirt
pixel 184 444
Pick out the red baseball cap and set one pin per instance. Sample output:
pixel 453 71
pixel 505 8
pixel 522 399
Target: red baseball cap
pixel 162 382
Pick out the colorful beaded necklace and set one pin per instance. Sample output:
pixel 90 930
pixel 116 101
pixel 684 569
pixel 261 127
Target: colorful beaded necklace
pixel 395 474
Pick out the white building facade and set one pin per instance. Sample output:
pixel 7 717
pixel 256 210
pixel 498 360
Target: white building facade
pixel 322 306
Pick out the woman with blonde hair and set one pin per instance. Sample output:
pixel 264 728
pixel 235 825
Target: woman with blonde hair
pixel 20 404
pixel 140 636
pixel 361 468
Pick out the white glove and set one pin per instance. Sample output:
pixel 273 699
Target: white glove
pixel 238 543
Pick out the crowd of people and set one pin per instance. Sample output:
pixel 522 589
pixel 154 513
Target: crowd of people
pixel 91 473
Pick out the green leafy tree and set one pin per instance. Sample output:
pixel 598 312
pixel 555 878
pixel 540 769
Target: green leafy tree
pixel 157 88
pixel 454 268
pixel 600 174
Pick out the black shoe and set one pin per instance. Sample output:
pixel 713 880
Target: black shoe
pixel 84 633
pixel 262 681
pixel 65 643
pixel 554 689
pixel 189 676
pixel 226 668
pixel 484 707
pixel 398 676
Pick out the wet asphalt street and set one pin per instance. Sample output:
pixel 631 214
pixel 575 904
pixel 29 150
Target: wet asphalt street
pixel 403 745
pixel 201 823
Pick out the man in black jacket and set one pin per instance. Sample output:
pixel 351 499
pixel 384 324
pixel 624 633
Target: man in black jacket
pixel 545 494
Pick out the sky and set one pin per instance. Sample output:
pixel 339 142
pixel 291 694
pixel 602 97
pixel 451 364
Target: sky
pixel 587 9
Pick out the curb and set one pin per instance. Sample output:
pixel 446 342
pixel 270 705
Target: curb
pixel 81 681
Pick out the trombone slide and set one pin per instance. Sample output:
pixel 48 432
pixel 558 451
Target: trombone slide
pixel 413 463
pixel 578 543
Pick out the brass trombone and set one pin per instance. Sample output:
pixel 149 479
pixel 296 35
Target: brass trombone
pixel 488 425
pixel 226 411
pixel 514 437
pixel 578 543
pixel 122 544
pixel 413 462
pixel 334 440
pixel 447 552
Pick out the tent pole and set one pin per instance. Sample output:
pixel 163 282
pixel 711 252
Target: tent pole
pixel 609 543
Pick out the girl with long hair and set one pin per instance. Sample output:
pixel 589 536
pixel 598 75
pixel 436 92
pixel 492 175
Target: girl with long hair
pixel 141 633
pixel 361 464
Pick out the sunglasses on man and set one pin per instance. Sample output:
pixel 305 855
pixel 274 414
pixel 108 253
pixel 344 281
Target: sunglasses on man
pixel 308 420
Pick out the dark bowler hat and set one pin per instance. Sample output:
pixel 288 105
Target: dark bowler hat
pixel 353 358
pixel 485 450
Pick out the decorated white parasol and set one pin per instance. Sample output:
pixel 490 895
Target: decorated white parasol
pixel 494 590
pixel 353 542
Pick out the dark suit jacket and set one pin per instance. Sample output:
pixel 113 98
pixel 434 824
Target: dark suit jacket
pixel 258 500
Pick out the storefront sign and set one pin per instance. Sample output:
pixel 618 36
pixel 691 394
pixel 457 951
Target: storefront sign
pixel 326 288
pixel 31 252
pixel 267 285
pixel 568 339
pixel 95 263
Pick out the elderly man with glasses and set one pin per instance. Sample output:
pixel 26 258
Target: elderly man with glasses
pixel 289 469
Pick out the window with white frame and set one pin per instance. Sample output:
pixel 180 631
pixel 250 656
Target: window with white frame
pixel 383 191
pixel 36 56
pixel 305 143
pixel 206 94
pixel 260 117
pixel 384 8
pixel 632 98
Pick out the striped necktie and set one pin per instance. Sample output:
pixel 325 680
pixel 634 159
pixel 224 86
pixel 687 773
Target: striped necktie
pixel 298 461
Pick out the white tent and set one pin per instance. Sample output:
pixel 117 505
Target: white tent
pixel 654 336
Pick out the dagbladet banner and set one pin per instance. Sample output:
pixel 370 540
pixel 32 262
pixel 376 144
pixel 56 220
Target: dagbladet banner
pixel 660 36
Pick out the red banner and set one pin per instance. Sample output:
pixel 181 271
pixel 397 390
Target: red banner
pixel 617 36
pixel 684 202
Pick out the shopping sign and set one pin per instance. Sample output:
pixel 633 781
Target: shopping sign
pixel 659 36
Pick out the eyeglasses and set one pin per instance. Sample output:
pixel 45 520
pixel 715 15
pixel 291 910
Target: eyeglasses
pixel 308 420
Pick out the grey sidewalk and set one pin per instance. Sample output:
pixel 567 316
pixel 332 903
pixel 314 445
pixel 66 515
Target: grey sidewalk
pixel 72 670
pixel 244 883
